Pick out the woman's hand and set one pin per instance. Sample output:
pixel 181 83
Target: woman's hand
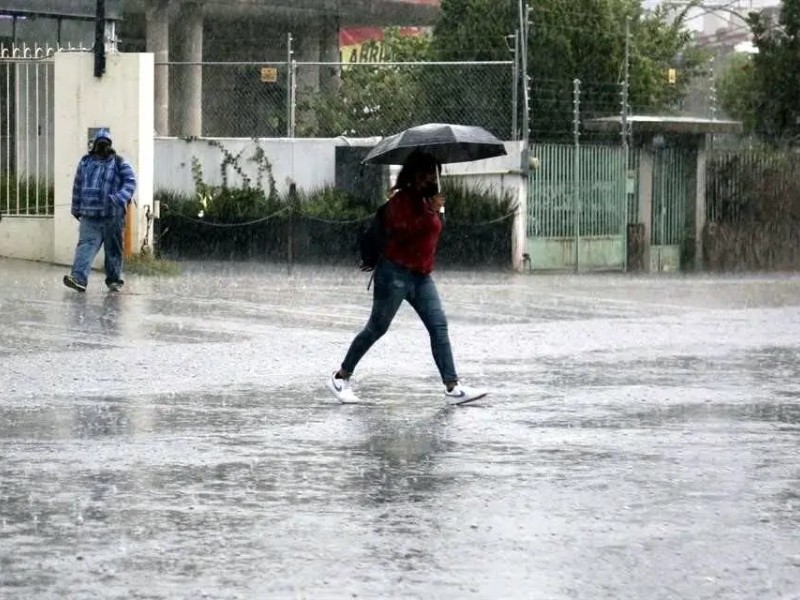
pixel 436 203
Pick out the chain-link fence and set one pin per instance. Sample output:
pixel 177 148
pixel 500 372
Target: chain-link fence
pixel 341 99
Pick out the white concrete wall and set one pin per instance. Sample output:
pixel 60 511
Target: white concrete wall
pixel 29 238
pixel 310 163
pixel 121 100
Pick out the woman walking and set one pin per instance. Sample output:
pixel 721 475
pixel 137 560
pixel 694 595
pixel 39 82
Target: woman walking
pixel 412 226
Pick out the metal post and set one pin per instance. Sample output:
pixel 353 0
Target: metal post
pixel 626 140
pixel 712 98
pixel 8 135
pixel 577 170
pixel 626 86
pixel 27 146
pixel 289 86
pixel 712 90
pixel 515 90
pixel 293 104
pixel 38 136
pixel 525 14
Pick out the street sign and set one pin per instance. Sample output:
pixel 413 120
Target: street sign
pixel 269 75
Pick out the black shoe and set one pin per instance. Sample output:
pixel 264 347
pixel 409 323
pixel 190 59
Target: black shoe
pixel 73 283
pixel 114 286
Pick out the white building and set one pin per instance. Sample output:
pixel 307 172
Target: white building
pixel 726 15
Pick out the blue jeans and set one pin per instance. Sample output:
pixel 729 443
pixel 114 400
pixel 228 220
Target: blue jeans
pixel 93 233
pixel 393 284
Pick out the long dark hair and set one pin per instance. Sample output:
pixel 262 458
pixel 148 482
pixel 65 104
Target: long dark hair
pixel 417 162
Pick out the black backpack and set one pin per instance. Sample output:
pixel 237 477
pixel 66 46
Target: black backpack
pixel 372 240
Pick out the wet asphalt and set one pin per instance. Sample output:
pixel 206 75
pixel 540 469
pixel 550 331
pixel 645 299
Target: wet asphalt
pixel 177 440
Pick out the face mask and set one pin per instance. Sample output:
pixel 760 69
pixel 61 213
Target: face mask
pixel 103 150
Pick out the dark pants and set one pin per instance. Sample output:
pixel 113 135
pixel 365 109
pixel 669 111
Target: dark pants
pixel 95 232
pixel 393 284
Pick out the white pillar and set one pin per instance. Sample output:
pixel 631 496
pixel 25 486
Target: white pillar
pixel 189 48
pixel 519 230
pixel 121 100
pixel 700 205
pixel 158 43
pixel 646 166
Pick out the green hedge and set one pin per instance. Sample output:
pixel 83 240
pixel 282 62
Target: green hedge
pixel 320 226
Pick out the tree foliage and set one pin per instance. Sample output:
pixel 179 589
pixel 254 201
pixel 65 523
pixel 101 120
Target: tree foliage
pixel 737 90
pixel 577 39
pixel 776 78
pixel 569 39
pixel 371 100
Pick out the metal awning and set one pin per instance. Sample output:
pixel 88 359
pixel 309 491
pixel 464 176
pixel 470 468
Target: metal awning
pixel 655 124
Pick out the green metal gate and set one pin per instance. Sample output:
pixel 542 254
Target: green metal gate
pixel 673 195
pixel 590 181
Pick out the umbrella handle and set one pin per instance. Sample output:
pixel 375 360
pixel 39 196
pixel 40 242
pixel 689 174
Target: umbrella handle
pixel 439 187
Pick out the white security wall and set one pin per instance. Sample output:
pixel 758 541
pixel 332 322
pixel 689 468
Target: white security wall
pixel 29 238
pixel 121 100
pixel 310 163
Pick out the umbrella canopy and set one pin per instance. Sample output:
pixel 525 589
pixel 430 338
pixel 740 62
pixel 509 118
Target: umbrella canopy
pixel 447 143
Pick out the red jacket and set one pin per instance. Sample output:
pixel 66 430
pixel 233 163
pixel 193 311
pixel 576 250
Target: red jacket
pixel 412 232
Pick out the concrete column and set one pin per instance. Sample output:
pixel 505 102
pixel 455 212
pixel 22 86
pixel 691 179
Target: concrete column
pixel 189 48
pixel 330 77
pixel 646 165
pixel 700 205
pixel 121 100
pixel 157 35
pixel 519 231
pixel 308 50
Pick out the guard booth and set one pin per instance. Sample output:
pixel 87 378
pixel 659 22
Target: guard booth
pixel 667 198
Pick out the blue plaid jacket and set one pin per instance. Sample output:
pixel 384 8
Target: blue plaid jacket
pixel 102 187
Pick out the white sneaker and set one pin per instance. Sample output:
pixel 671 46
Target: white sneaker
pixel 341 389
pixel 462 394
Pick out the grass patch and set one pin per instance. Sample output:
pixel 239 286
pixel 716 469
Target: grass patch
pixel 149 266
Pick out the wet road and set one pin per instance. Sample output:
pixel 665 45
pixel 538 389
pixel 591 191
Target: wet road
pixel 177 440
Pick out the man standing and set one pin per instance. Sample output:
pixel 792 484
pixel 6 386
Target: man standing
pixel 103 188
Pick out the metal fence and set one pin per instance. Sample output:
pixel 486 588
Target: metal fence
pixel 674 188
pixel 318 99
pixel 755 185
pixel 26 130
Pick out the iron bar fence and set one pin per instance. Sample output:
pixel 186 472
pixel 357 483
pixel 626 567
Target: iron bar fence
pixel 26 129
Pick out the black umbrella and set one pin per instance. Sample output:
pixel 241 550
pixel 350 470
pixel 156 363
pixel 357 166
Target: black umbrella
pixel 447 143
